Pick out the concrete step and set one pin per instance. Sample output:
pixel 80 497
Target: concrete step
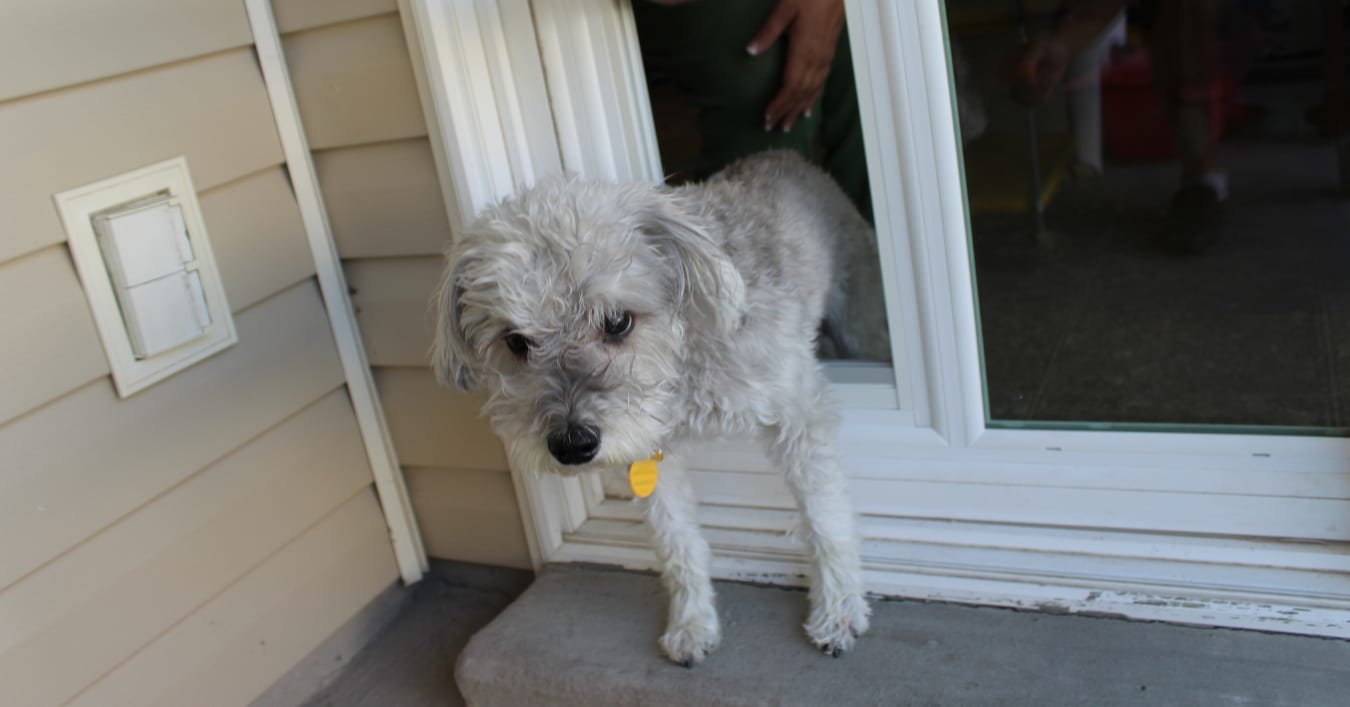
pixel 587 636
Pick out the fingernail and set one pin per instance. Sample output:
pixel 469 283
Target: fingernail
pixel 787 128
pixel 752 50
pixel 807 113
pixel 767 127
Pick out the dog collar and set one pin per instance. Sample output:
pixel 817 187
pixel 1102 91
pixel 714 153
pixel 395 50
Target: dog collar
pixel 642 475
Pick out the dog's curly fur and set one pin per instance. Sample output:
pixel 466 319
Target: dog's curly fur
pixel 727 283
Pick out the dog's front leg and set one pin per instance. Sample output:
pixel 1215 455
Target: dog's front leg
pixel 804 446
pixel 692 629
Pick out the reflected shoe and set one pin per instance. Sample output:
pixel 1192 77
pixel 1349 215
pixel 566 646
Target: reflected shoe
pixel 1195 220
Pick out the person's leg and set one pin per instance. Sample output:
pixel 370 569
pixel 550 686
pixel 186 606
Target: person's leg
pixel 700 47
pixel 845 156
pixel 1186 56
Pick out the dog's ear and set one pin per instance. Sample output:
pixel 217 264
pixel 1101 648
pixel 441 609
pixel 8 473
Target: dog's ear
pixel 451 356
pixel 705 278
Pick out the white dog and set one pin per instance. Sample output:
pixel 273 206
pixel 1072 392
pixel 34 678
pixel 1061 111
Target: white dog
pixel 606 322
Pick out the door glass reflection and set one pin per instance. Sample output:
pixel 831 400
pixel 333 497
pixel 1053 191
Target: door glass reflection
pixel 1158 204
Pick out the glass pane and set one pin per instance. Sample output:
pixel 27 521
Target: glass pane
pixel 1158 214
pixel 714 102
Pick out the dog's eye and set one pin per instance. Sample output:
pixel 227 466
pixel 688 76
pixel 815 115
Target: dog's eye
pixel 518 344
pixel 618 326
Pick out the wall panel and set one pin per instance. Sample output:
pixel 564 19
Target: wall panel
pixel 80 615
pixel 436 426
pixel 294 15
pixel 214 110
pixel 242 640
pixel 74 466
pixel 73 41
pixel 468 515
pixel 394 307
pixel 354 83
pixel 384 199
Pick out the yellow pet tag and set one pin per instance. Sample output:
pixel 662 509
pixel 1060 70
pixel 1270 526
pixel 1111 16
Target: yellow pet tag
pixel 642 475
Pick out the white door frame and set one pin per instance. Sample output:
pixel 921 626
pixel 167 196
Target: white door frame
pixel 1234 530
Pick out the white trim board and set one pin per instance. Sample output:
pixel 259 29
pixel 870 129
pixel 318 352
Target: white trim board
pixel 1084 521
pixel 388 475
pixel 1082 573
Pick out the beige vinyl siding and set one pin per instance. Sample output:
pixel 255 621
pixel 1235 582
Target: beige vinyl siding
pixel 264 623
pixel 243 508
pixel 434 426
pixel 383 199
pixel 295 15
pixel 148 544
pixel 213 109
pixel 354 82
pixel 78 464
pixel 468 514
pixel 393 301
pixel 50 338
pixel 251 216
pixel 47 45
pixel 358 99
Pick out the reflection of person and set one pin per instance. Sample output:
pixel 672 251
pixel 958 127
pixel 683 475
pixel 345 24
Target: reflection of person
pixel 763 74
pixel 1185 55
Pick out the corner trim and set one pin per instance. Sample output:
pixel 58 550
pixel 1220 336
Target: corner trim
pixel 379 446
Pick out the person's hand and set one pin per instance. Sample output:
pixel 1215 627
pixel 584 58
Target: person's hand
pixel 1039 70
pixel 812 28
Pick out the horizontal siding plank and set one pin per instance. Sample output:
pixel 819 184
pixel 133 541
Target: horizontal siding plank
pixel 393 306
pixel 293 15
pixel 49 346
pixel 91 608
pixel 259 244
pixel 80 463
pixel 354 83
pixel 435 426
pixel 214 110
pixel 73 41
pixel 240 642
pixel 257 236
pixel 469 516
pixel 384 199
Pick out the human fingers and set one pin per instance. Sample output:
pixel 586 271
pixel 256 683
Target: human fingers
pixel 778 20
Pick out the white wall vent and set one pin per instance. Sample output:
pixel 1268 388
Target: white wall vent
pixel 140 247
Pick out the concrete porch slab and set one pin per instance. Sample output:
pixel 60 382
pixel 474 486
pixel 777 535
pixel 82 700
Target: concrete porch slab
pixel 587 636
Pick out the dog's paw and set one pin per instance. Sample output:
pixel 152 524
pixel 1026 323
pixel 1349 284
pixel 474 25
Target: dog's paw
pixel 689 643
pixel 835 626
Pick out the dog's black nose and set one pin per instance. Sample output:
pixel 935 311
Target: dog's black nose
pixel 577 444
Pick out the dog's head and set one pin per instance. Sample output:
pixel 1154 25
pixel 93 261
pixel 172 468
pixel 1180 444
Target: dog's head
pixel 572 306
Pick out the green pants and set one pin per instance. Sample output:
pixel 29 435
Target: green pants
pixel 700 48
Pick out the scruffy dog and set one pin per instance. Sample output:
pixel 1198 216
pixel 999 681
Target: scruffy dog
pixel 605 322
